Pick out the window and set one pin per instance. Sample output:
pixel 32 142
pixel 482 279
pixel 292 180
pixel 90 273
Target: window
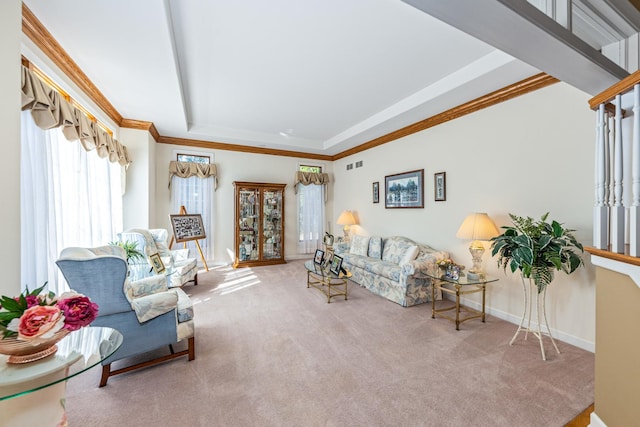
pixel 68 197
pixel 310 213
pixel 196 195
pixel 307 168
pixel 193 158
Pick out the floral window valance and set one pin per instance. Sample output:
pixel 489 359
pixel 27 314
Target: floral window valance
pixel 309 178
pixel 50 110
pixel 188 169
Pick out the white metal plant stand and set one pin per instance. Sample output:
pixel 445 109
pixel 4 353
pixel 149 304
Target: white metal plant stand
pixel 526 315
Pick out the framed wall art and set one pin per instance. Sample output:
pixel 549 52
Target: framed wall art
pixel 404 190
pixel 376 192
pixel 440 186
pixel 187 227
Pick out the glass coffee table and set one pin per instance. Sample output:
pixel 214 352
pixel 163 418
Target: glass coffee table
pixel 461 286
pixel 330 284
pixel 34 393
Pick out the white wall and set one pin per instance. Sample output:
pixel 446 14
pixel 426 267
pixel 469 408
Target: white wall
pixel 526 156
pixel 235 166
pixel 139 200
pixel 10 24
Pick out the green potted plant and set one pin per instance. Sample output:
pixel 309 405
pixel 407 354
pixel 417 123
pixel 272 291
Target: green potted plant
pixel 131 249
pixel 537 249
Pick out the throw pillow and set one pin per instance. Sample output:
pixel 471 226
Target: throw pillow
pixel 395 249
pixel 375 247
pixel 359 245
pixel 409 255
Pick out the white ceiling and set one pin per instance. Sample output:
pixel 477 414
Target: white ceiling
pixel 318 76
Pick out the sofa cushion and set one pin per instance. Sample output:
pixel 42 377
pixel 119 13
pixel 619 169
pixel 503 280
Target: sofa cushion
pixel 395 249
pixel 359 245
pixel 374 266
pixel 385 269
pixel 355 260
pixel 375 247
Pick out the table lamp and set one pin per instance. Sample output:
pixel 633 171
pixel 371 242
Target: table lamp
pixel 346 219
pixel 475 227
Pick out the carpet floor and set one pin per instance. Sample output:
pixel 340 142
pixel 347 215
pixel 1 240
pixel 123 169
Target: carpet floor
pixel 271 352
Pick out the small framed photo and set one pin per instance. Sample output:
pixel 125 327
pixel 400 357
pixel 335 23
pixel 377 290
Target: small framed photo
pixel 327 261
pixel 156 263
pixel 440 186
pixel 336 263
pixel 318 256
pixel 376 192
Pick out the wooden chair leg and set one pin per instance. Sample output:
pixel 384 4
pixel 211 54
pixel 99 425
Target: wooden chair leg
pixel 106 371
pixel 192 348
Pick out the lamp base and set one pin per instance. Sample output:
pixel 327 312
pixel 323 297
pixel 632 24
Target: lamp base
pixel 476 249
pixel 475 275
pixel 345 230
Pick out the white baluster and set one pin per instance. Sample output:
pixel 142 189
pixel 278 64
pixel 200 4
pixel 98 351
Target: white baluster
pixel 617 210
pixel 609 136
pixel 634 210
pixel 600 211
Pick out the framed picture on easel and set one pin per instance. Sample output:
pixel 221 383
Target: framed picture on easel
pixel 187 227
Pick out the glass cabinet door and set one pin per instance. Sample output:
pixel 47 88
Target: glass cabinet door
pixel 259 228
pixel 272 224
pixel 249 227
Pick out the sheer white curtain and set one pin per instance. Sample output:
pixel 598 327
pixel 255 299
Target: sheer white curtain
pixel 196 195
pixel 68 197
pixel 310 217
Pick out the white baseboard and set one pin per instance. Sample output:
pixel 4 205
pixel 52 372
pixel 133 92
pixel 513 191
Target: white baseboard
pixel 299 256
pixel 562 336
pixel 596 421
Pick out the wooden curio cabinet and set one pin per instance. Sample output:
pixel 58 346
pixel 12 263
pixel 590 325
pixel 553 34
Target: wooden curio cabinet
pixel 259 216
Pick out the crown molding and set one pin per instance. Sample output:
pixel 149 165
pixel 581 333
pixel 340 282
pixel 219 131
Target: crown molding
pixel 142 125
pixel 241 148
pixel 522 87
pixel 42 38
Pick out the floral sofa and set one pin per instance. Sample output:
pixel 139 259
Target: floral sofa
pixel 393 267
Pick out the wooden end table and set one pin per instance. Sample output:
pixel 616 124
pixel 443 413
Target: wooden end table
pixel 460 286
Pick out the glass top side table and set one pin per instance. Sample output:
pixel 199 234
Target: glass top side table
pixel 326 281
pixel 461 286
pixel 77 352
pixel 33 393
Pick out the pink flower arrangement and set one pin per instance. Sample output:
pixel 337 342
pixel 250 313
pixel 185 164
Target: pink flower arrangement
pixel 33 315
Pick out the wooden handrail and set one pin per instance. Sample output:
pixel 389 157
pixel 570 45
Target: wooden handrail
pixel 623 86
pixel 626 258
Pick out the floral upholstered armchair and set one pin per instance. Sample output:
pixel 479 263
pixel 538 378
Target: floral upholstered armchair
pixel 180 269
pixel 146 312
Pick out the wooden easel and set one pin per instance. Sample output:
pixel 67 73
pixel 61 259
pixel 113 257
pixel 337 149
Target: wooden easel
pixel 183 211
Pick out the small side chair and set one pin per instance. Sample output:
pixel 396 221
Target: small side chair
pixel 146 312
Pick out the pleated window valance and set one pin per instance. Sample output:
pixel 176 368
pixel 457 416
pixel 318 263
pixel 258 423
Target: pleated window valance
pixel 50 110
pixel 308 178
pixel 188 169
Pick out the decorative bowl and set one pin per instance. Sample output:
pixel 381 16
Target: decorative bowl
pixel 20 351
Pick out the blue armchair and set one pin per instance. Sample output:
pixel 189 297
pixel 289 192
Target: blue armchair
pixel 146 312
